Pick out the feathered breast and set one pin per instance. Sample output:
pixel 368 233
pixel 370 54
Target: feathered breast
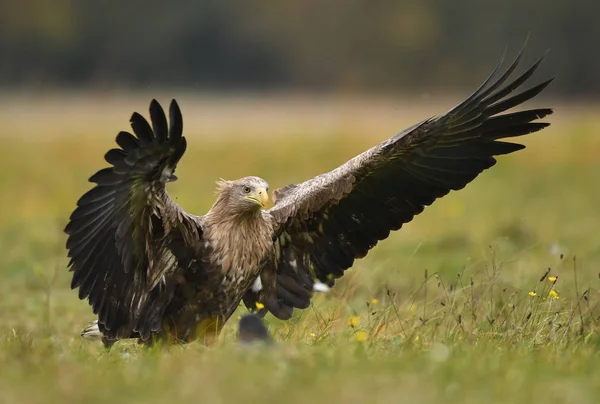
pixel 238 246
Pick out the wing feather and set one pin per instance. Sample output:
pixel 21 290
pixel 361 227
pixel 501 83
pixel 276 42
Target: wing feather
pixel 327 222
pixel 122 232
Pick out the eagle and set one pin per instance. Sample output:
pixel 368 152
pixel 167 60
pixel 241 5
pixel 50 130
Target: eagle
pixel 155 273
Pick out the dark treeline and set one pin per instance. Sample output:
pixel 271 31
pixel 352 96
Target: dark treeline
pixel 310 44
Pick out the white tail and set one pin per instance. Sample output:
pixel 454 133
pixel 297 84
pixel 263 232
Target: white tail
pixel 92 332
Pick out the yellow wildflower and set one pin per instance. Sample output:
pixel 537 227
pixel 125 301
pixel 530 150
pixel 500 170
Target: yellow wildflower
pixel 259 305
pixel 312 334
pixel 553 293
pixel 532 293
pixel 374 301
pixel 552 278
pixel 361 336
pixel 354 321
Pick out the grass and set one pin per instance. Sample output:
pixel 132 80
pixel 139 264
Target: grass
pixel 441 311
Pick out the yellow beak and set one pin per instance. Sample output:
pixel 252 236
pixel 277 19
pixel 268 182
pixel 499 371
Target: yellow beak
pixel 261 197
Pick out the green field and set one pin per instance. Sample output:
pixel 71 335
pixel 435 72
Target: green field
pixel 455 307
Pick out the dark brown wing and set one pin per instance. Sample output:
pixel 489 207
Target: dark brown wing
pixel 325 223
pixel 127 238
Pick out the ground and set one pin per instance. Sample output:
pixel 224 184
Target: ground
pixel 490 294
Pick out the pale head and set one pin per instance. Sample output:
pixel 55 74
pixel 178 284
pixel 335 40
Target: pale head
pixel 246 195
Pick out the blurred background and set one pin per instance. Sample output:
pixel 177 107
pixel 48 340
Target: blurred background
pixel 411 46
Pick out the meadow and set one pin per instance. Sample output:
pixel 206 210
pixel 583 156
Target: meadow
pixel 491 294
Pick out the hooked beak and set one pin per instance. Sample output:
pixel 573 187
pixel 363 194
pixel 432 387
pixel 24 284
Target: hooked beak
pixel 260 197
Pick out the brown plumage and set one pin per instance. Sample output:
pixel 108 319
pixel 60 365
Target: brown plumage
pixel 152 271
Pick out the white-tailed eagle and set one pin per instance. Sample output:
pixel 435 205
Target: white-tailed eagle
pixel 154 272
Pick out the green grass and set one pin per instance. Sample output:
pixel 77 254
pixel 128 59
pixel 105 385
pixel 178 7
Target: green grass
pixel 441 311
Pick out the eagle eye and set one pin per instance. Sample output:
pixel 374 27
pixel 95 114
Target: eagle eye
pixel 247 190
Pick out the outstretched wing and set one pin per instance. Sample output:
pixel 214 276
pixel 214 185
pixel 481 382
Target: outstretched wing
pixel 127 238
pixel 325 223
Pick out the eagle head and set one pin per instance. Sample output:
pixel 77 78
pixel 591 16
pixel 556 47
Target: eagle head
pixel 246 195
